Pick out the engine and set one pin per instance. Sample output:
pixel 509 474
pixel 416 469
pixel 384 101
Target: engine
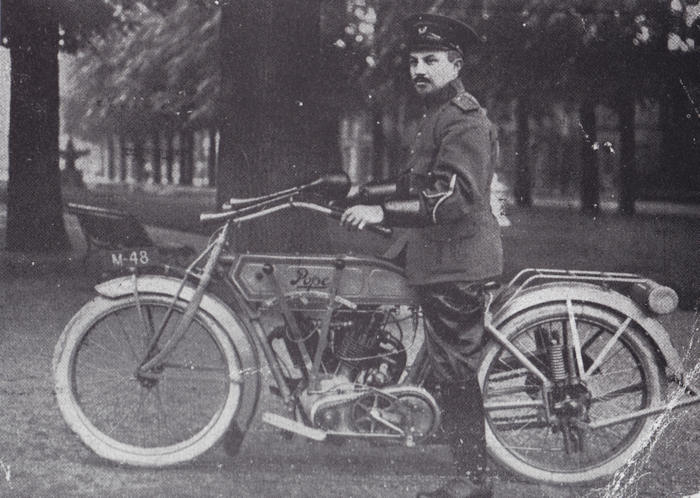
pixel 364 345
pixel 363 361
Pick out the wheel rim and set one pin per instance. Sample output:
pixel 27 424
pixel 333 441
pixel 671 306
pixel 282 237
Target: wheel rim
pixel 618 386
pixel 155 416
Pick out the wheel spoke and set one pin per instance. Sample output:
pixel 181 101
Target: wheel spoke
pixel 161 413
pixel 573 329
pixel 518 372
pixel 615 372
pixel 638 387
pixel 606 349
pixel 602 348
pixel 117 341
pixel 108 371
pixel 142 398
pixel 111 353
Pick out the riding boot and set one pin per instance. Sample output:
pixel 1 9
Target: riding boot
pixel 463 424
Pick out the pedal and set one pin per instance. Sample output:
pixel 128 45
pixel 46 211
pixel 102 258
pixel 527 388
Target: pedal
pixel 293 426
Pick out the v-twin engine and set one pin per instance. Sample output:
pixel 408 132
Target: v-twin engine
pixel 357 392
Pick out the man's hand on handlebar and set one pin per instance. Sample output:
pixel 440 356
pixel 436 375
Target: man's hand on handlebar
pixel 357 217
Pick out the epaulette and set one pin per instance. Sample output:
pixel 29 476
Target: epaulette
pixel 466 102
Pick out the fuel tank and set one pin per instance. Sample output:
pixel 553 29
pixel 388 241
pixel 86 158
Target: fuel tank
pixel 362 279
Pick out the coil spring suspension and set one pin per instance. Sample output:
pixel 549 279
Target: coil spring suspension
pixel 555 353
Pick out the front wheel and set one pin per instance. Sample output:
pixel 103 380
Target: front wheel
pixel 175 412
pixel 623 376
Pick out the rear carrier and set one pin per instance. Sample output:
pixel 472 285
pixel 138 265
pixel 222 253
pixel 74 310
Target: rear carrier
pixel 650 295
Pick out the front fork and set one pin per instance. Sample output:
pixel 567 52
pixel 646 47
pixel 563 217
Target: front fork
pixel 149 368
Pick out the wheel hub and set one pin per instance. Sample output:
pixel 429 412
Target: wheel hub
pixel 570 406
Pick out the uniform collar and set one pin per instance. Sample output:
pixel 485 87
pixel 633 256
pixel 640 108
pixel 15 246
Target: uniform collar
pixel 445 94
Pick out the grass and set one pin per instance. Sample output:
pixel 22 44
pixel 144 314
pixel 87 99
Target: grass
pixel 47 460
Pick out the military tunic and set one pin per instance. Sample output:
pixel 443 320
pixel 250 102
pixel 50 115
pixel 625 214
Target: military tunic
pixel 448 178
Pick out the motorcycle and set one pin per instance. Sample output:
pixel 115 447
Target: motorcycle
pixel 156 369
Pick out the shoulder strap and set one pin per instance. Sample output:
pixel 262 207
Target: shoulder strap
pixel 466 102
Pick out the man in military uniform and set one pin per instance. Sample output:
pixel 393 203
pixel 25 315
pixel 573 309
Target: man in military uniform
pixel 454 247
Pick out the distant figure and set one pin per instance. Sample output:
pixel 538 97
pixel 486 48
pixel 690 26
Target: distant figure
pixel 70 175
pixel 500 196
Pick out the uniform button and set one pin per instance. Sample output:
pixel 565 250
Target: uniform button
pixel 411 170
pixel 412 151
pixel 418 134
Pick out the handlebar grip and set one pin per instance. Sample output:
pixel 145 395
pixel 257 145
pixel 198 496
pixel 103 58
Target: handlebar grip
pixel 211 217
pixel 382 230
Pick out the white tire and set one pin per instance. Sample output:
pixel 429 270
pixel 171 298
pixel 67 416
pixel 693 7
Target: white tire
pixel 628 380
pixel 174 417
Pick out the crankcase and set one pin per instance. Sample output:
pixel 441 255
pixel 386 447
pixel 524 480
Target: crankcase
pixel 402 412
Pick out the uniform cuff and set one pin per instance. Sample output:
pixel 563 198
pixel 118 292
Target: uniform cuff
pixel 404 213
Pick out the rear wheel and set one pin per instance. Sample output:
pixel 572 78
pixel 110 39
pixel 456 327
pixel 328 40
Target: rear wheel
pixel 623 377
pixel 174 413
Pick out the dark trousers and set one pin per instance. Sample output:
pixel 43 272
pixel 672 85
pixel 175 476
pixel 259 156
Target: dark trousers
pixel 454 340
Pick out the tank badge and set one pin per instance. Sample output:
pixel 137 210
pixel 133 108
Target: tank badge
pixel 305 280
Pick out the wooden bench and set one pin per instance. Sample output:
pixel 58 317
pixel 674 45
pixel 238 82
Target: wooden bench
pixel 111 229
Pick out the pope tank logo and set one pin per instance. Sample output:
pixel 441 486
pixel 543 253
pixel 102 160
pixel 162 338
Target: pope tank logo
pixel 305 280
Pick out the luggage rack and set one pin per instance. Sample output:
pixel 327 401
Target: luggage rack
pixel 530 276
pixel 526 276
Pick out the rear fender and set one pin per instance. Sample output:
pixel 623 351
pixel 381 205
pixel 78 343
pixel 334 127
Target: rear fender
pixel 558 292
pixel 235 326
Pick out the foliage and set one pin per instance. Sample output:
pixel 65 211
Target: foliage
pixel 78 21
pixel 549 50
pixel 159 72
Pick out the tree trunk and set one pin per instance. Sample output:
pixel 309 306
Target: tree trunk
pixel 139 160
pixel 628 162
pixel 186 156
pixel 34 203
pixel 155 157
pixel 111 173
pixel 123 165
pixel 680 147
pixel 273 131
pixel 379 159
pixel 211 157
pixel 522 189
pixel 169 156
pixel 590 179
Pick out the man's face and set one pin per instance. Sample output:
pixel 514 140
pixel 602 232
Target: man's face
pixel 431 70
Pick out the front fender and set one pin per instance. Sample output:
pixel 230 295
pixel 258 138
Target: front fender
pixel 603 297
pixel 217 310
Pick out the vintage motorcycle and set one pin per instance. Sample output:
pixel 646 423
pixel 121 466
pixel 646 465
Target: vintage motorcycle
pixel 157 369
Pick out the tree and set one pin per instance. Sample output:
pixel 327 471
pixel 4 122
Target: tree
pixel 156 76
pixel 32 31
pixel 274 131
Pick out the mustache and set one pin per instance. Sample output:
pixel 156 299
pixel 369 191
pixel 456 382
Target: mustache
pixel 421 79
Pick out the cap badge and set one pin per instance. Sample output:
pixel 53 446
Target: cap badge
pixel 422 30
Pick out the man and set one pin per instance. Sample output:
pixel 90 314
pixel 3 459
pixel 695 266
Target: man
pixel 454 246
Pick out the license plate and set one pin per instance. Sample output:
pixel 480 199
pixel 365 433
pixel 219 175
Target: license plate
pixel 127 259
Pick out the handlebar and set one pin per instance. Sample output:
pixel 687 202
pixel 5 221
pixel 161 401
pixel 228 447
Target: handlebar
pixel 245 214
